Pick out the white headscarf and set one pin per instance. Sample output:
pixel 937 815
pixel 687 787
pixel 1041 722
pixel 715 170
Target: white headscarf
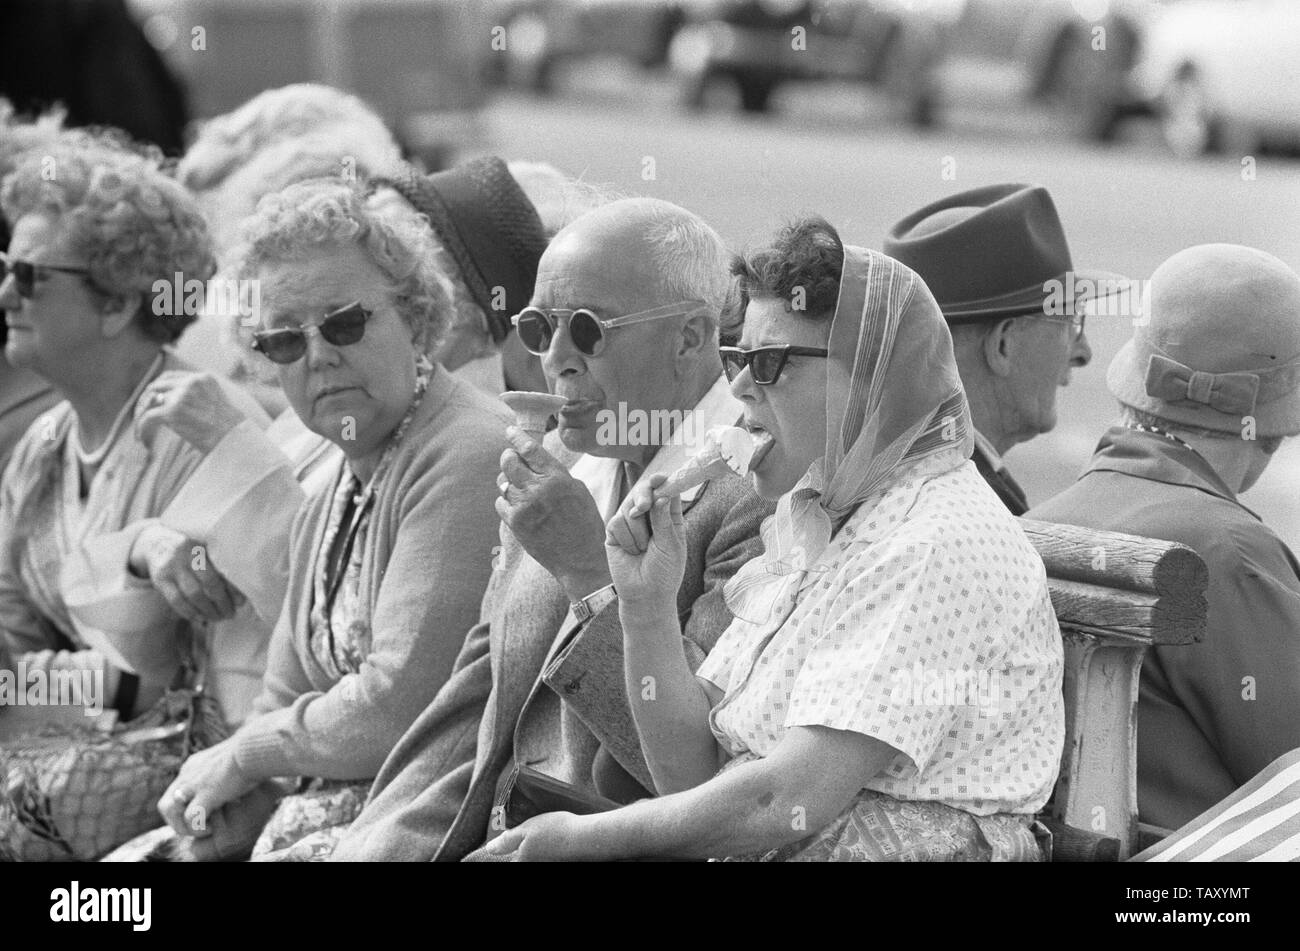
pixel 904 403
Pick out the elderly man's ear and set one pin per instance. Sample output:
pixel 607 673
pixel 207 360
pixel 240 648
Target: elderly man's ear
pixel 117 313
pixel 999 346
pixel 696 336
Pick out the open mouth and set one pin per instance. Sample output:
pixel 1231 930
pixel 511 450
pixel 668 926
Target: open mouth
pixel 763 443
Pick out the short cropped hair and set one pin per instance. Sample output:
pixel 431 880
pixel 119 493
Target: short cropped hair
pixel 123 213
pixel 324 212
pixel 806 255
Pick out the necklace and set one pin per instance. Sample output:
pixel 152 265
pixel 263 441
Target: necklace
pixel 92 460
pixel 1157 431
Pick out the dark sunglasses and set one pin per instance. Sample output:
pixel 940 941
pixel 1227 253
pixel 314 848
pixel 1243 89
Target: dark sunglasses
pixel 25 273
pixel 345 326
pixel 765 363
pixel 536 327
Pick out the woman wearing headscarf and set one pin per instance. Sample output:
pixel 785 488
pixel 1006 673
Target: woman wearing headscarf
pixel 891 686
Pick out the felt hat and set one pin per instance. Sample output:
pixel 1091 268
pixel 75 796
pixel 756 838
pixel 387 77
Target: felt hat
pixel 994 252
pixel 489 226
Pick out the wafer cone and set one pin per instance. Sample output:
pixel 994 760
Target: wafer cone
pixel 726 450
pixel 532 410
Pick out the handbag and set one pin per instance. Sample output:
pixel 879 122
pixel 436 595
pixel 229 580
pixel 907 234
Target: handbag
pixel 528 792
pixel 73 793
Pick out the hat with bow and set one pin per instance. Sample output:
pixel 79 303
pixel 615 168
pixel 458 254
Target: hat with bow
pixel 1221 345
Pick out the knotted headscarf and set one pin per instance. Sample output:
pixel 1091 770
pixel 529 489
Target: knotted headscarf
pixel 904 403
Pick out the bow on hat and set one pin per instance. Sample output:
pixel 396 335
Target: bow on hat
pixel 1231 393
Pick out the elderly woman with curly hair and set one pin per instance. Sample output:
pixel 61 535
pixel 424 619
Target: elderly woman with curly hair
pixel 122 551
pixel 388 563
pixel 811 732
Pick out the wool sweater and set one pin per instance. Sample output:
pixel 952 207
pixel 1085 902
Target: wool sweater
pixel 427 558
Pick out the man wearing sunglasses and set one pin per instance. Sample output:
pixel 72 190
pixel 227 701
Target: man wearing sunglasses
pixel 624 318
pixel 992 256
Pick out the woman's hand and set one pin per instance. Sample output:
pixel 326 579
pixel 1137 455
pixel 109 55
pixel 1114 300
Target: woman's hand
pixel 646 547
pixel 208 780
pixel 552 837
pixel 192 404
pixel 179 568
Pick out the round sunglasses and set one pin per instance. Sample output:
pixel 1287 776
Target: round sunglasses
pixel 26 273
pixel 340 328
pixel 765 363
pixel 536 326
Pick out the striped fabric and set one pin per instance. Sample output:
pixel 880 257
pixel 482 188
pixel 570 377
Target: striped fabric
pixel 1260 822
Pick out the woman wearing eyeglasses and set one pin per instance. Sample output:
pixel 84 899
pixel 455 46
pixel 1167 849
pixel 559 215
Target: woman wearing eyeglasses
pixel 388 565
pixel 890 687
pixel 122 554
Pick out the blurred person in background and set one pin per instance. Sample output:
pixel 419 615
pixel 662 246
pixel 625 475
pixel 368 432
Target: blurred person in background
pixel 99 519
pixel 1208 389
pixel 389 562
pixel 92 57
pixel 23 394
pixel 986 255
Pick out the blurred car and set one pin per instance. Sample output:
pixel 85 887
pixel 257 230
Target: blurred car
pixel 756 45
pixel 916 50
pixel 542 35
pixel 1074 56
pixel 419 63
pixel 1224 73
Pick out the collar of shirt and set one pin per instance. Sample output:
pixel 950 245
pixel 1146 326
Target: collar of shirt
pixel 602 475
pixel 983 445
pixel 1152 457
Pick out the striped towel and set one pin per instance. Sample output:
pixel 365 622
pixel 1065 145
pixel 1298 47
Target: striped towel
pixel 1260 822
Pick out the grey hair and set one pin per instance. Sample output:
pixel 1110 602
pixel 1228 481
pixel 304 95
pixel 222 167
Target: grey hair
pixel 690 255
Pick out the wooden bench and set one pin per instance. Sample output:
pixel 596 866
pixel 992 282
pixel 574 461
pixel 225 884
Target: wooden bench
pixel 1115 595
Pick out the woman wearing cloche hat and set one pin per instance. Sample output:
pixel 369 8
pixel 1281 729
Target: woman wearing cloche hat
pixel 1208 387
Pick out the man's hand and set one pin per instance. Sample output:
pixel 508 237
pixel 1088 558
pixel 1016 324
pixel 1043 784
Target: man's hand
pixel 191 404
pixel 553 516
pixel 179 568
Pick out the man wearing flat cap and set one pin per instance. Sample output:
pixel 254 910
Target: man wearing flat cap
pixel 1208 388
pixel 997 261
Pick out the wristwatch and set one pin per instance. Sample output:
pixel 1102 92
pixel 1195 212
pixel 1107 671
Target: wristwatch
pixel 593 603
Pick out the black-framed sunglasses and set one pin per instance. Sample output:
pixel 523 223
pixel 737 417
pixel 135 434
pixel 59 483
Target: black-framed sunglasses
pixel 341 327
pixel 26 273
pixel 536 326
pixel 765 363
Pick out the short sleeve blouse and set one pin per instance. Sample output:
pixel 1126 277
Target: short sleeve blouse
pixel 926 623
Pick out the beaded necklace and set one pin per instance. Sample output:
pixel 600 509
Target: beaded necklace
pixel 1157 431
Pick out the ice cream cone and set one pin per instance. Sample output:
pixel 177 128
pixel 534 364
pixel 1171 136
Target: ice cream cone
pixel 726 450
pixel 532 410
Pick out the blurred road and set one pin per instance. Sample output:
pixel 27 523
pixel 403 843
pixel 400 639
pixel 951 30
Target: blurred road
pixel 832 151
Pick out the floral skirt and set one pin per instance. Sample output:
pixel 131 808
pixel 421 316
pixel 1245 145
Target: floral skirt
pixel 307 825
pixel 879 828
